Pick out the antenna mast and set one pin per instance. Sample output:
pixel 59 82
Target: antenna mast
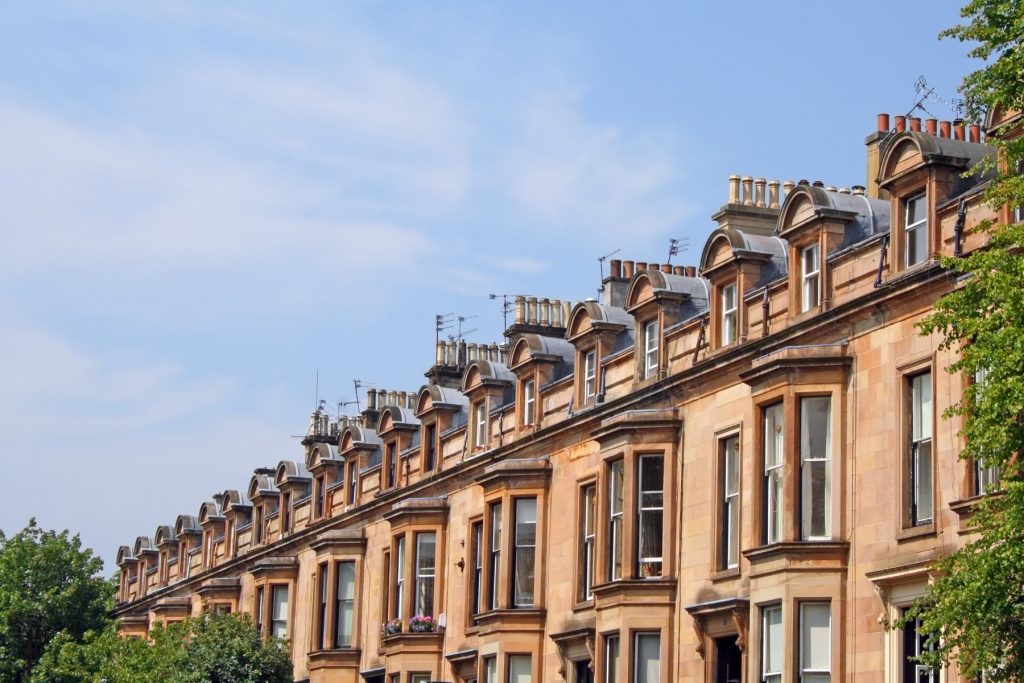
pixel 600 265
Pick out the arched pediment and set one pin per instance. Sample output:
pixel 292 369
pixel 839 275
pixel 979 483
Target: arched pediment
pixel 998 117
pixel 143 544
pixel 396 416
pixel 909 149
pixel 481 372
pixel 801 204
pixel 903 153
pixel 647 285
pixel 289 470
pixel 719 248
pixel 531 347
pixel 261 484
pixel 164 534
pixel 319 453
pixel 356 436
pixel 433 397
pixel 209 511
pixel 589 314
pixel 124 554
pixel 185 524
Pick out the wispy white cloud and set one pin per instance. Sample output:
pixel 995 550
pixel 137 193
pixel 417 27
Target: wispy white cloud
pixel 581 176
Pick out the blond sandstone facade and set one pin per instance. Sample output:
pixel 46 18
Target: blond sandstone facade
pixel 733 472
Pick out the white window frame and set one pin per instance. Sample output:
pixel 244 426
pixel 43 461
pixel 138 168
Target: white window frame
pixel 588 540
pixel 400 577
pixel 524 551
pixel 773 458
pixel 279 622
pixel 811 458
pixel 343 603
pixel 649 503
pixel 651 339
pixel 730 524
pixel 612 655
pixel 810 278
pixel 589 374
pixel 494 558
pixel 529 401
pixel 425 575
pixel 480 424
pixel 616 518
pixel 808 673
pixel 638 675
pixel 922 455
pixel 986 476
pixel 730 305
pixel 910 230
pixel 768 614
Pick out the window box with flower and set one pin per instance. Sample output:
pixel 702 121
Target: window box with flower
pixel 390 628
pixel 422 623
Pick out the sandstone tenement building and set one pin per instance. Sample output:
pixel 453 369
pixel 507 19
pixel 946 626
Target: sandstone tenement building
pixel 731 472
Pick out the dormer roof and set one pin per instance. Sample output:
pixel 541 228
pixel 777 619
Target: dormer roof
pixel 434 397
pixel 863 216
pixel 486 372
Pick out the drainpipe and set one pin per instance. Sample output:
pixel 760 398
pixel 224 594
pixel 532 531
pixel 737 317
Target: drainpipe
pixel 958 229
pixel 881 261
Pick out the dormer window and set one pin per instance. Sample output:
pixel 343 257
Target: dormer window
pixel 286 513
pixel 480 424
pixel 916 230
pixel 728 302
pixel 589 374
pixel 430 443
pixel 650 368
pixel 810 277
pixel 391 465
pixel 529 401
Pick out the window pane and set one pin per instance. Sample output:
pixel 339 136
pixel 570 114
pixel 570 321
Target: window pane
pixel 923 481
pixel 615 509
pixel 771 652
pixel 916 210
pixel 815 455
pixel 425 549
pixel 519 669
pixel 651 477
pixel 773 466
pixel 345 603
pixel 279 626
pixel 611 659
pixel 399 609
pixel 491 670
pixel 921 388
pixel 525 541
pixel 648 658
pixel 816 637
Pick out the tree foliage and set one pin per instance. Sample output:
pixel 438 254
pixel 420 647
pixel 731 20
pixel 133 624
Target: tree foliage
pixel 205 649
pixel 974 612
pixel 49 584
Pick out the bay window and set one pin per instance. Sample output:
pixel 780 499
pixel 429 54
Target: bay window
pixel 815 467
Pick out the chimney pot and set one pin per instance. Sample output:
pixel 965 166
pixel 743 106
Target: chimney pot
pixel 958 129
pixel 545 312
pixel 495 352
pixel 666 267
pixel 690 271
pixel 531 310
pixel 627 269
pixel 566 310
pixel 858 189
pixel 830 188
pixel 556 314
pixel 787 187
pixel 773 194
pixel 844 190
pixel 451 353
pixel 403 399
pixel 930 126
pixel 653 266
pixel 883 123
pixel 915 124
pixel 975 131
pixel 616 268
pixel 818 183
pixel 371 399
pixel 803 182
pixel 944 129
pixel 759 192
pixel 748 190
pixel 678 270
pixel 439 354
pixel 641 265
pixel 520 309
pixel 901 124
pixel 734 189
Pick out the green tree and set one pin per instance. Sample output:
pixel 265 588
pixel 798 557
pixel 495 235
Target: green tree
pixel 205 649
pixel 49 584
pixel 974 612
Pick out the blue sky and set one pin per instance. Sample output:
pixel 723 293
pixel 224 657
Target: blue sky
pixel 203 205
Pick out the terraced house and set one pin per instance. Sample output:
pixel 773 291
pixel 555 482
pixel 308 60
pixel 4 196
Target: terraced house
pixel 736 471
